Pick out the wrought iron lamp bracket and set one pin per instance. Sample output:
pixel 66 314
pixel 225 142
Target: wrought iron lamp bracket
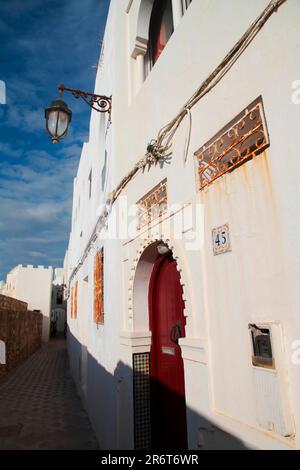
pixel 100 103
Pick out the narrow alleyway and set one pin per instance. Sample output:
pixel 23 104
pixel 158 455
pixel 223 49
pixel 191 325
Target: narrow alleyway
pixel 39 407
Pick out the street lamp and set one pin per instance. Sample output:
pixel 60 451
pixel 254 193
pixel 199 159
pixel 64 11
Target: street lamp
pixel 58 115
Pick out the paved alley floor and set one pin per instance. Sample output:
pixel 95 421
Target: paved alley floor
pixel 39 406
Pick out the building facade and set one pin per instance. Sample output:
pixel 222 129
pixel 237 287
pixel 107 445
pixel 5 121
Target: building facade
pixel 32 284
pixel 43 289
pixel 58 302
pixel 183 308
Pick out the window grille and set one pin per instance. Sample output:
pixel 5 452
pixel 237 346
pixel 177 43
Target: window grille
pixel 75 300
pixel 152 205
pixel 99 287
pixel 141 394
pixel 239 141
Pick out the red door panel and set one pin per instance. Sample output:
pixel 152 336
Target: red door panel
pixel 167 322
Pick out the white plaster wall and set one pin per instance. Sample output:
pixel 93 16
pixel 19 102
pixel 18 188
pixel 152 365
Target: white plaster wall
pixel 58 276
pixel 34 286
pixel 258 280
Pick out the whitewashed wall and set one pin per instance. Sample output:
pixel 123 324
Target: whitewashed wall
pixel 34 286
pixel 256 282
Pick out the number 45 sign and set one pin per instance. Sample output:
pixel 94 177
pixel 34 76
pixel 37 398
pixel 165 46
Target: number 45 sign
pixel 221 240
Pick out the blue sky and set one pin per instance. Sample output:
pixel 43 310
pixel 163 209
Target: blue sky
pixel 43 43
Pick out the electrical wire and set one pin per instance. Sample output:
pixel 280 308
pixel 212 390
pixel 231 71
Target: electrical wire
pixel 159 149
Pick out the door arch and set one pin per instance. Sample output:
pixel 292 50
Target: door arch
pixel 167 324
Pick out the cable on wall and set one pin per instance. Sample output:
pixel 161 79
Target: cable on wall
pixel 159 149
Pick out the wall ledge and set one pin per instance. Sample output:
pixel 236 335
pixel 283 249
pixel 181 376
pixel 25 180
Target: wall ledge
pixel 139 341
pixel 194 349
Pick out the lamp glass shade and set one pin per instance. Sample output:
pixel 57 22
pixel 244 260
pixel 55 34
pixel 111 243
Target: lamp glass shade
pixel 52 121
pixel 58 117
pixel 62 123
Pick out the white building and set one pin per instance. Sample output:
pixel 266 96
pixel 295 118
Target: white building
pixel 232 295
pixel 43 289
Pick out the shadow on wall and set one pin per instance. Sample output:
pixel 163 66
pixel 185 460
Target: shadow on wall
pixel 124 416
pixel 45 327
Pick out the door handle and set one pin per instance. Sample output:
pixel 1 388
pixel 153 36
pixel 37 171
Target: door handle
pixel 175 333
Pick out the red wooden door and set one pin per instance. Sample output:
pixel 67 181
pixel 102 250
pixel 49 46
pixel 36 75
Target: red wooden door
pixel 167 322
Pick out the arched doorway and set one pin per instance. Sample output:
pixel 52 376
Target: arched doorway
pixel 167 324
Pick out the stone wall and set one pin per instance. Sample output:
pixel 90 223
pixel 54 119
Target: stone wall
pixel 20 330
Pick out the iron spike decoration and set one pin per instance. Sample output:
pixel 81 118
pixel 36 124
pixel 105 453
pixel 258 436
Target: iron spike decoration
pixel 100 103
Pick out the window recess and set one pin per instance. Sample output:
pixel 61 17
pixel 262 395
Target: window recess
pixel 152 205
pixel 75 300
pixel 160 30
pixel 239 141
pixel 261 346
pixel 99 287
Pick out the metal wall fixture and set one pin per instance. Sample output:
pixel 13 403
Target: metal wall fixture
pixel 58 115
pixel 152 205
pixel 239 141
pixel 163 249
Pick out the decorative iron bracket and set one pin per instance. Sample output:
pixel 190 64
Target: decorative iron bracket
pixel 100 103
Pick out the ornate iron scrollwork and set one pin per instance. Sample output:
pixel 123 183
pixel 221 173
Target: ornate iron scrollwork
pixel 152 205
pixel 100 103
pixel 243 138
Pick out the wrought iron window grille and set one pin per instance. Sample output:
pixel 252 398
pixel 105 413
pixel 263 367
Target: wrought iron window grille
pixel 152 205
pixel 239 141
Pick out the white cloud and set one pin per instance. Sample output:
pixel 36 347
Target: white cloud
pixel 26 118
pixel 71 150
pixel 35 209
pixel 7 150
pixel 36 185
pixel 37 254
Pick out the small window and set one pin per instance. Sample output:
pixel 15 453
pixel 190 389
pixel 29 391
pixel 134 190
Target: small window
pixel 160 29
pixel 75 300
pixel 261 346
pixel 71 301
pixel 90 184
pixel 152 205
pixel 99 287
pixel 243 138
